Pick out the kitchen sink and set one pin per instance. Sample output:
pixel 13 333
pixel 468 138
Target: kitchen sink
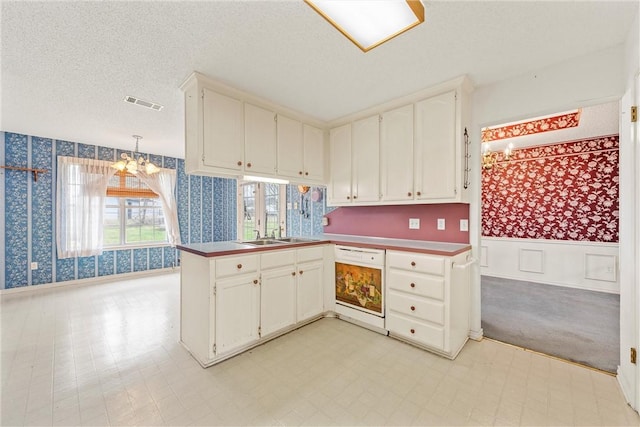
pixel 295 240
pixel 263 242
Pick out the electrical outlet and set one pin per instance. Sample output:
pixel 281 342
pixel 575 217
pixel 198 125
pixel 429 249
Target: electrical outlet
pixel 289 206
pixel 440 223
pixel 464 225
pixel 325 221
pixel 414 223
pixel 34 265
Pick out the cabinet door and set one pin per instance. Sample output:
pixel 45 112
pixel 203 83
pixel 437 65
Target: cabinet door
pixel 313 153
pixel 339 190
pixel 259 140
pixel 290 154
pixel 396 154
pixel 365 139
pixel 277 299
pixel 310 295
pixel 223 133
pixel 436 162
pixel 237 312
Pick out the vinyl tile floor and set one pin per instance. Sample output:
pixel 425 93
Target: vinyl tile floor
pixel 108 354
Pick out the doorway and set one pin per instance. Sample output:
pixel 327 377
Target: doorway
pixel 549 245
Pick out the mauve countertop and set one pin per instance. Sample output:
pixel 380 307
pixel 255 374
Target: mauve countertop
pixel 215 249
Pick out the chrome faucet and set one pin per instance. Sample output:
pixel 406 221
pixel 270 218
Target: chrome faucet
pixel 257 234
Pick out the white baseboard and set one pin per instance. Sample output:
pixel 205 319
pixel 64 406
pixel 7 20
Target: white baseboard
pixel 91 280
pixel 626 388
pixel 476 335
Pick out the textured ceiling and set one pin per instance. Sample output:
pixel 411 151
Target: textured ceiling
pixel 67 65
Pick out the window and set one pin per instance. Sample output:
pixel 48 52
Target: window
pixel 262 209
pixel 133 213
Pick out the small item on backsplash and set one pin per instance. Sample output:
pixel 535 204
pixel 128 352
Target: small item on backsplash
pixel 304 200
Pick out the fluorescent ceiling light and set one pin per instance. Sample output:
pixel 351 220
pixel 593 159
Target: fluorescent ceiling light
pixel 369 23
pixel 263 179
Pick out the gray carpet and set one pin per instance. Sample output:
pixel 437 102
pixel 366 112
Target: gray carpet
pixel 577 325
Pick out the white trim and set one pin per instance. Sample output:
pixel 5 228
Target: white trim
pixel 3 282
pixel 90 280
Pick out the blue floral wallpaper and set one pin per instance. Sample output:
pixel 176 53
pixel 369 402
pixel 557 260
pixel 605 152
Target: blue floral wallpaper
pixel 206 213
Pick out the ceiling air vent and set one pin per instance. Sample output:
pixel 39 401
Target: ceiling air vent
pixel 142 102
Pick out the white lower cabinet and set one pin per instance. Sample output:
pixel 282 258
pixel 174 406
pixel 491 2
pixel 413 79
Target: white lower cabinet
pixel 278 291
pixel 236 312
pixel 232 303
pixel 428 300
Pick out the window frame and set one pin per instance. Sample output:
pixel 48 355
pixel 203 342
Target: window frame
pixel 260 201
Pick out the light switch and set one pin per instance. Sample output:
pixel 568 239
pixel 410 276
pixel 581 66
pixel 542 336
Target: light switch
pixel 440 223
pixel 464 225
pixel 414 223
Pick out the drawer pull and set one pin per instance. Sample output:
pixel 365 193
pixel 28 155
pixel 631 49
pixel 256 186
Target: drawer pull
pixel 239 266
pixel 413 263
pixel 413 308
pixel 306 173
pixel 239 163
pixel 293 273
pixel 255 281
pixel 413 285
pixel 413 331
pixel 299 172
pixel 249 164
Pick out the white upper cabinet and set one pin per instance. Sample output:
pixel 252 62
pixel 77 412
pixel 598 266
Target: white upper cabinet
pixel 397 154
pixel 365 140
pixel 313 142
pixel 423 157
pixel 339 190
pixel 223 133
pixel 290 148
pixel 436 167
pixel 232 133
pixel 300 151
pixel 259 140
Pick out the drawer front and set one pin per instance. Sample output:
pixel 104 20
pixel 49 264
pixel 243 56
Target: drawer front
pixel 277 258
pixel 310 254
pixel 236 265
pixel 420 308
pixel 429 335
pixel 421 263
pixel 416 283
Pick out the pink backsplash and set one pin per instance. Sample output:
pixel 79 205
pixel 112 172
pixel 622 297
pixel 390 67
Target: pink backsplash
pixel 393 222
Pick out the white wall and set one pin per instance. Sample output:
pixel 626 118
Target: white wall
pixel 587 80
pixel 582 265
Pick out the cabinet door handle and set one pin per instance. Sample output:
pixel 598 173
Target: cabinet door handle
pixel 413 285
pixel 348 198
pixel 255 281
pixel 301 272
pixel 413 331
pixel 249 164
pixel 409 194
pixel 306 173
pixel 418 193
pixel 355 197
pixel 299 172
pixel 293 273
pixel 413 263
pixel 413 308
pixel 239 163
pixel 239 266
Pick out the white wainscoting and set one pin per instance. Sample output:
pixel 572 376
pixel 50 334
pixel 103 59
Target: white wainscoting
pixel 583 265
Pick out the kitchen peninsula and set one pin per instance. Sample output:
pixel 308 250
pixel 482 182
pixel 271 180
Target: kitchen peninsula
pixel 236 295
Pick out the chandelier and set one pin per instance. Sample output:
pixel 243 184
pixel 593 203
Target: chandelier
pixel 132 166
pixel 491 158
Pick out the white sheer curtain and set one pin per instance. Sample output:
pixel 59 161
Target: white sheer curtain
pixel 163 184
pixel 81 193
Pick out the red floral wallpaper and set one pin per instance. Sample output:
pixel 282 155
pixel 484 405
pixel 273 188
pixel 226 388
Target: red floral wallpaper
pixel 562 121
pixel 566 191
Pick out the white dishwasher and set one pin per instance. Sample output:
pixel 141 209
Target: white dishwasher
pixel 360 289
